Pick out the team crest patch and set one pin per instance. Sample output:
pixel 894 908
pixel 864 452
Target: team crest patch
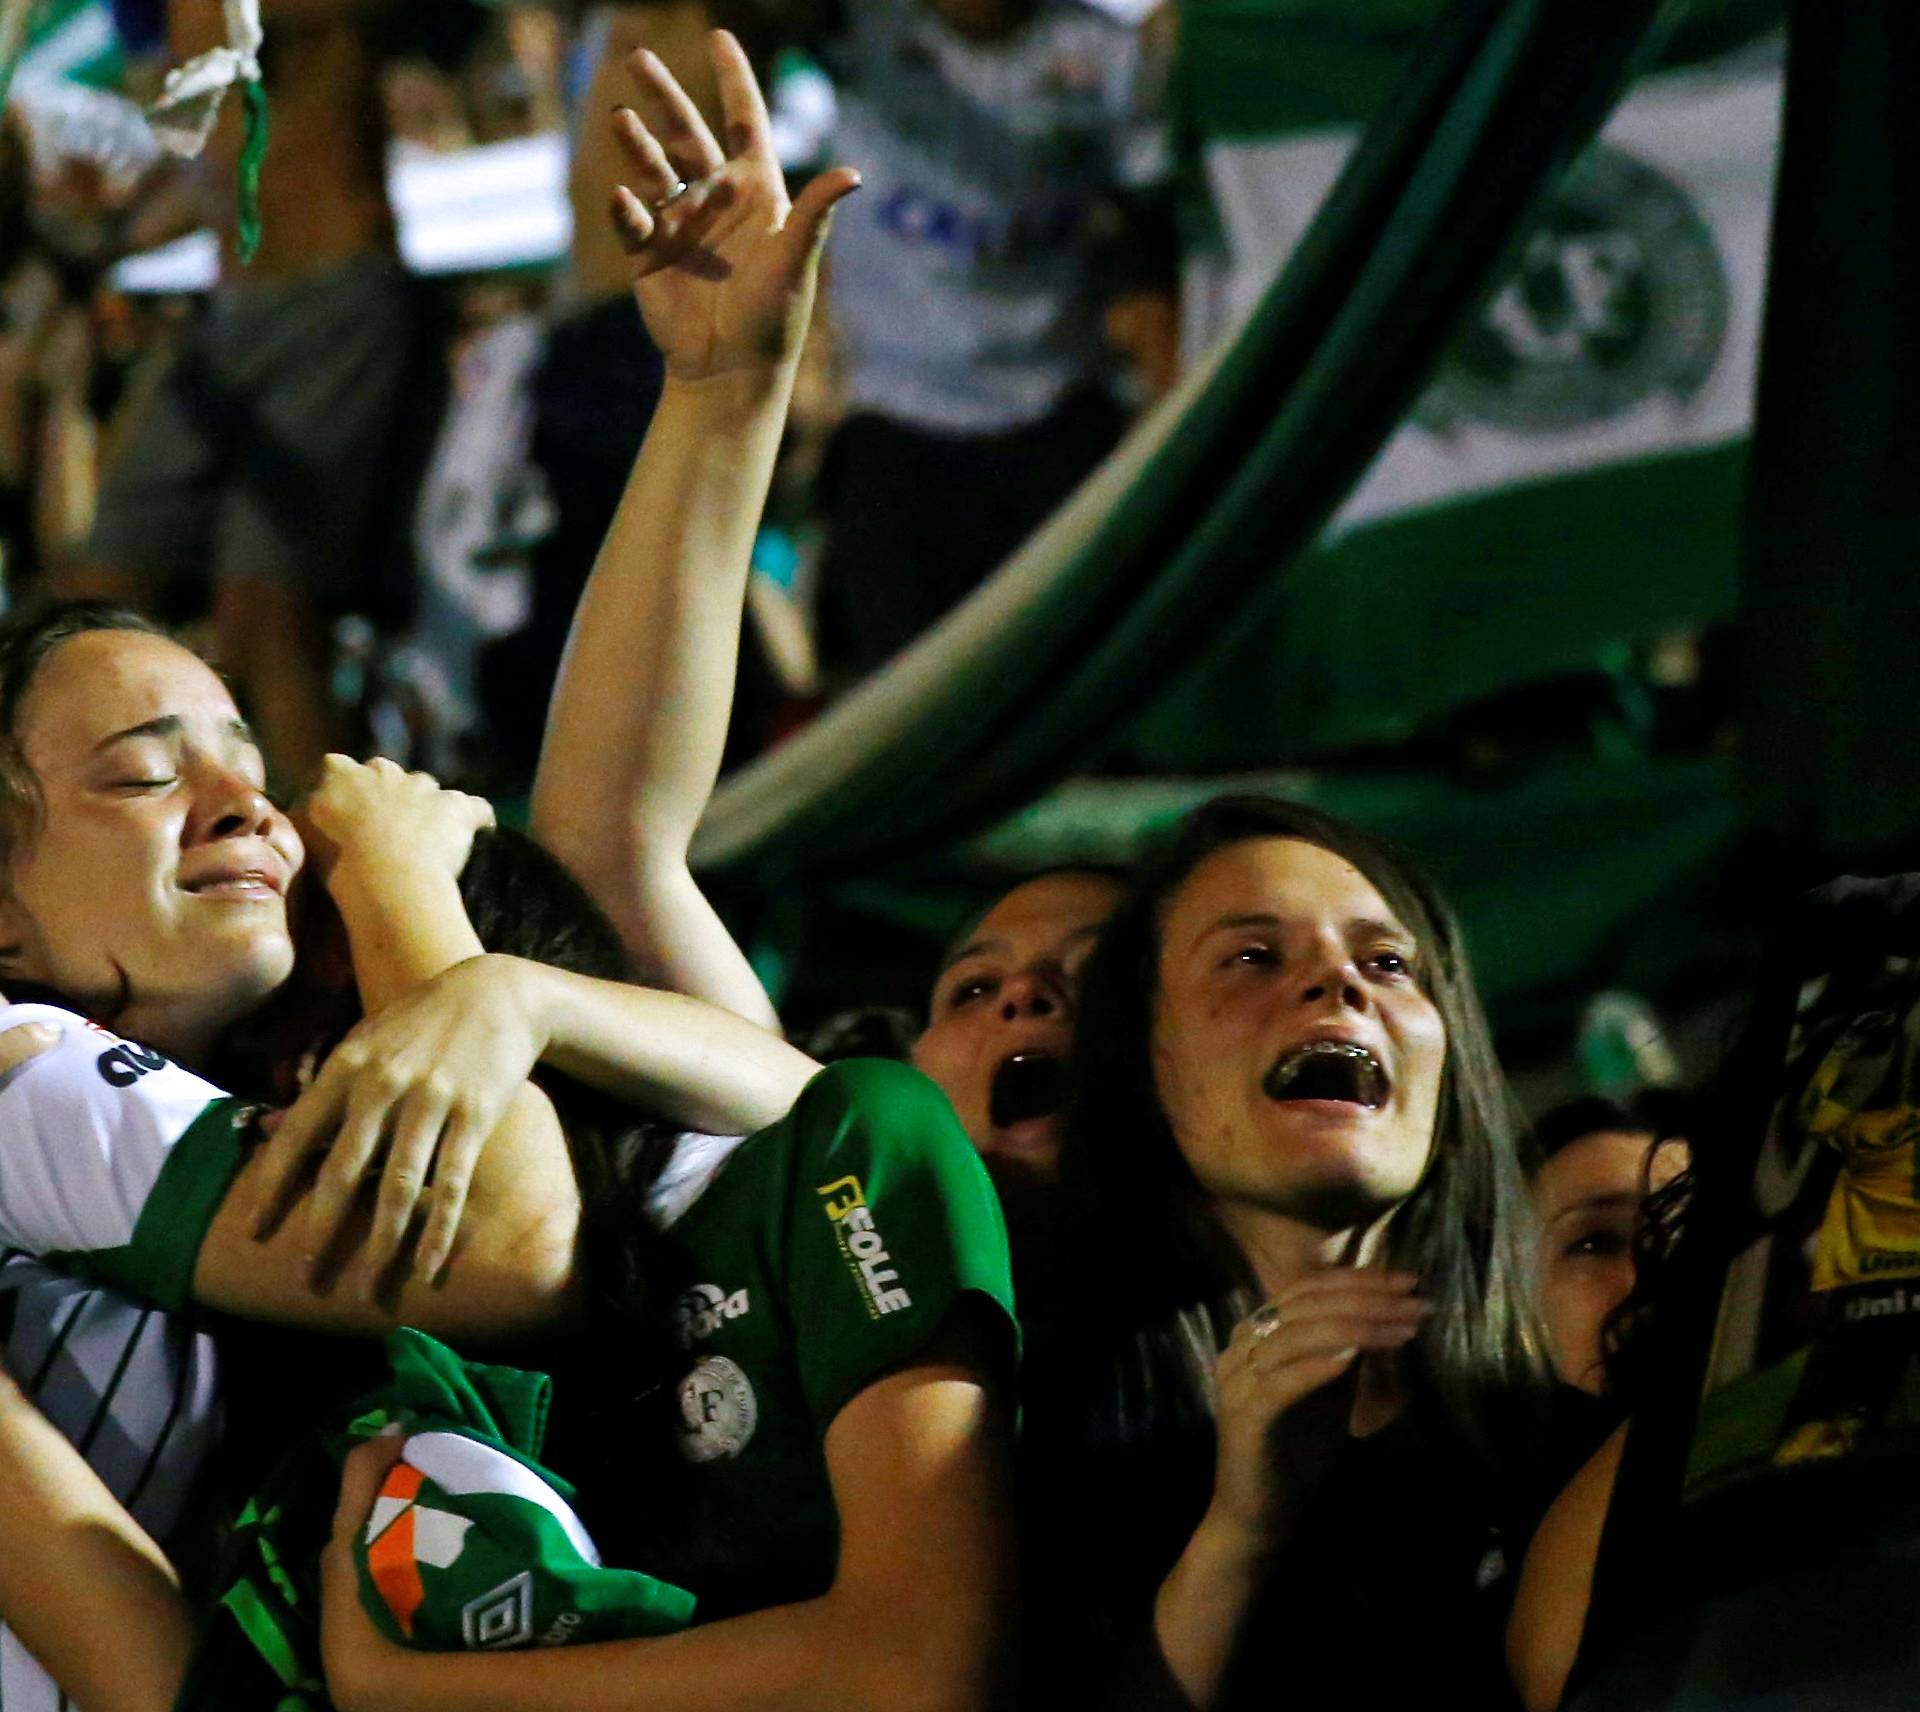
pixel 1620 296
pixel 718 1410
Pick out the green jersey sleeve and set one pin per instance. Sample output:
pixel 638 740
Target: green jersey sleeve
pixel 891 1222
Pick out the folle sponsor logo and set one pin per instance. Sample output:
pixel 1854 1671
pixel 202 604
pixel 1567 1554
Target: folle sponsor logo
pixel 862 1244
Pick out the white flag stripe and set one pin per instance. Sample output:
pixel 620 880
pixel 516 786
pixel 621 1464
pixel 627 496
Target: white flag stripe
pixel 1704 141
pixel 459 1465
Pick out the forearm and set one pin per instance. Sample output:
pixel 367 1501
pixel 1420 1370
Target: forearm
pixel 690 1062
pixel 796 1658
pixel 75 1566
pixel 404 926
pixel 912 1624
pixel 69 478
pixel 1199 1610
pixel 640 708
pixel 511 1273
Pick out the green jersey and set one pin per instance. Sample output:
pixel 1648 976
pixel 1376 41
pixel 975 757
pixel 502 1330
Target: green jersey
pixel 830 1249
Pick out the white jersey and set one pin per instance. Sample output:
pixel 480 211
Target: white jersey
pixel 112 1159
pixel 959 275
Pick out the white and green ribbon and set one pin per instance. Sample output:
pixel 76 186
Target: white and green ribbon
pixel 16 26
pixel 184 116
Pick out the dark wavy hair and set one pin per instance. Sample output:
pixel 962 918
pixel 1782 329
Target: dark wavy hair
pixel 1163 1261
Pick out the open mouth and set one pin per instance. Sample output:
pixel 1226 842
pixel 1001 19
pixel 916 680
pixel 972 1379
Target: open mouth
pixel 1329 1070
pixel 1027 1085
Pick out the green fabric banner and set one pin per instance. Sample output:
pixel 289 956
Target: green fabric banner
pixel 1224 482
pixel 1581 874
pixel 1831 594
pixel 1568 486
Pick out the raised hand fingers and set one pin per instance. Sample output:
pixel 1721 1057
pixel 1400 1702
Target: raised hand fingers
pixel 749 131
pixel 654 178
pixel 280 1166
pixel 1330 1334
pixel 673 118
pixel 1336 1309
pixel 632 220
pixel 806 228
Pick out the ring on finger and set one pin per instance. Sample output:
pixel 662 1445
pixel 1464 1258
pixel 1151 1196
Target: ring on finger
pixel 1264 1321
pixel 680 188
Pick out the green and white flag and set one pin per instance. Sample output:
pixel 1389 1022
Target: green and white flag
pixel 1572 476
pixel 73 40
pixel 1629 325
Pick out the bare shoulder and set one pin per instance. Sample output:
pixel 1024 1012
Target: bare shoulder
pixel 1556 1581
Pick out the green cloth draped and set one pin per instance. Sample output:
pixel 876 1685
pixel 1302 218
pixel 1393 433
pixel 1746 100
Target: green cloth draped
pixel 1225 481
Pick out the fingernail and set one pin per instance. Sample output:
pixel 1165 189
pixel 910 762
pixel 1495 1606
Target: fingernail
pixel 1344 1355
pixel 42 1032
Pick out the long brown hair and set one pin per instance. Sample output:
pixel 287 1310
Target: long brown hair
pixel 1152 1241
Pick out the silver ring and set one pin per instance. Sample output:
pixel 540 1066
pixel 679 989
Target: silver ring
pixel 679 190
pixel 1264 1321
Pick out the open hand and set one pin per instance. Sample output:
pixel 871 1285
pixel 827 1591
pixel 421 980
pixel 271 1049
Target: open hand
pixel 1273 1441
pixel 430 1077
pixel 724 264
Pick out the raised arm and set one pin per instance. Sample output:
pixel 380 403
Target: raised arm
pixel 724 273
pixel 487 1022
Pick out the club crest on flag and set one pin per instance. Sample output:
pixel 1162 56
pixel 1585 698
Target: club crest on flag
pixel 1619 296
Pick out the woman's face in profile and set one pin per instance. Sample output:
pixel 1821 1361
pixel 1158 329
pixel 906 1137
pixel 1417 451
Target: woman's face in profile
pixel 155 890
pixel 1297 1056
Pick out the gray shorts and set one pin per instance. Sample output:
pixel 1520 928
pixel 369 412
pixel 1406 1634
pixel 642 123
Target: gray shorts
pixel 270 448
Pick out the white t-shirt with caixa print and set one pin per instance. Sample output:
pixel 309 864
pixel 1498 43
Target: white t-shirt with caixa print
pixel 960 276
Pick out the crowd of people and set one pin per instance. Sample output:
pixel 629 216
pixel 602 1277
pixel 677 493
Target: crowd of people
pixel 327 438
pixel 428 1276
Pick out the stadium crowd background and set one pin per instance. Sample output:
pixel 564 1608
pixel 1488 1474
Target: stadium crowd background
pixel 402 583
pixel 371 477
